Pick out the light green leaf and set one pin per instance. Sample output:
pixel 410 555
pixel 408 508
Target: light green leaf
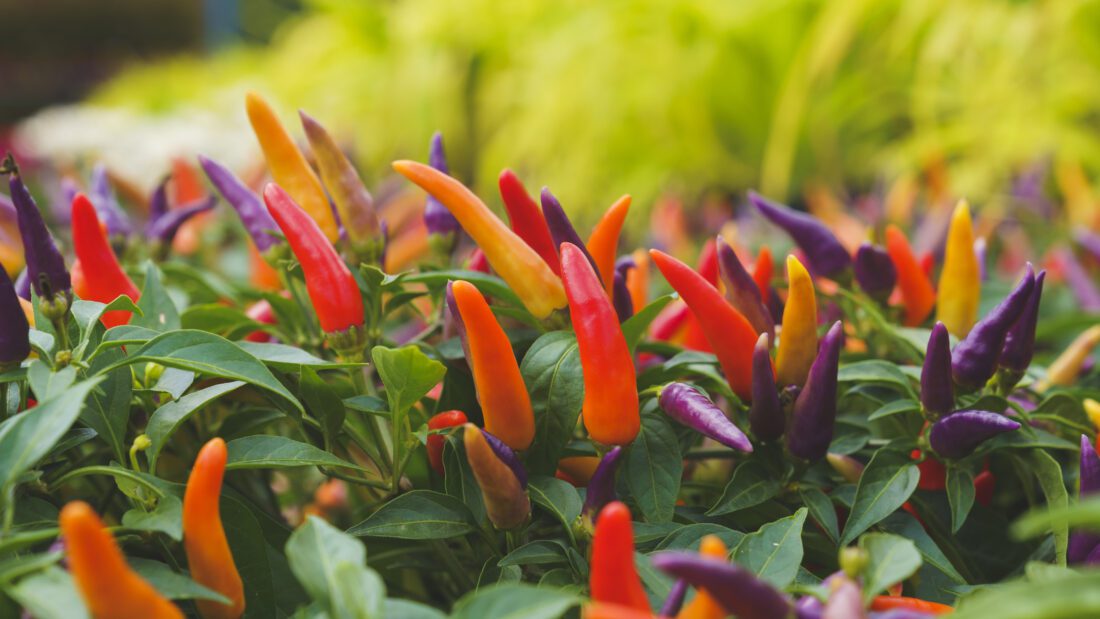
pixel 515 601
pixel 891 559
pixel 775 551
pixel 752 484
pixel 886 483
pixel 168 418
pixel 263 451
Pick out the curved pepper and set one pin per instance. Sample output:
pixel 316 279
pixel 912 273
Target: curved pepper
pixel 741 291
pixel 1077 279
pixel 766 417
pixel 974 360
pixel 610 408
pixel 686 405
pixel 440 421
pixel 505 500
pixel 562 230
pixel 102 197
pixel 620 296
pixel 501 391
pixel 937 391
pixel 960 285
pixel 110 588
pixel 15 345
pixel 960 433
pixel 896 602
pixel 762 271
pixel 352 200
pixel 601 487
pixel 289 167
pixel 727 331
pixel 1020 339
pixel 332 289
pixel 604 241
pixel 1092 409
pixel 517 264
pixel 917 294
pixel 823 251
pixel 675 599
pixel 437 218
pixel 811 425
pixel 208 554
pixel 637 279
pixel 738 590
pixel 505 454
pixel 798 337
pixel 45 266
pixel 526 219
pixel 875 271
pixel 704 606
pixel 1065 369
pixel 257 221
pixel 613 577
pixel 163 229
pixel 97 276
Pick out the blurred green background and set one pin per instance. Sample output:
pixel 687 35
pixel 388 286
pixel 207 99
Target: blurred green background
pixel 594 99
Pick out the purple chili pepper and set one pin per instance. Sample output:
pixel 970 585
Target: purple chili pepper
pixel 980 251
pixel 15 344
pixel 814 414
pixel 736 589
pixel 809 607
pixel 437 217
pixel 561 229
pixel 1083 544
pixel 937 391
pixel 1020 340
pixel 165 227
pixel 959 434
pixel 45 266
pixel 106 206
pixel 693 409
pixel 974 359
pixel 675 600
pixel 601 488
pixel 766 419
pixel 250 208
pixel 507 456
pixel 875 271
pixel 845 602
pixel 742 291
pixel 624 305
pixel 824 253
pixel 23 285
pixel 158 202
pixel 1088 240
pixel 1079 281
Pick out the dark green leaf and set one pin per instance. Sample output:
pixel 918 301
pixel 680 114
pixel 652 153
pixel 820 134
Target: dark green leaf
pixel 775 551
pixel 420 514
pixel 166 517
pixel 752 484
pixel 1049 474
pixel 514 601
pixel 821 510
pixel 49 594
pixel 552 371
pixel 960 493
pixel 886 483
pixel 166 419
pixel 538 552
pixel 263 451
pixel 172 585
pixel 331 566
pixel 558 497
pixel 890 560
pixel 653 467
pixel 158 312
pixel 875 371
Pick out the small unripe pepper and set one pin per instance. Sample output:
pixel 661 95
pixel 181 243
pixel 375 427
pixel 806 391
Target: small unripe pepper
pixel 974 360
pixel 604 241
pixel 825 254
pixel 811 425
pixel 704 606
pixel 917 294
pixel 612 576
pixel 688 406
pixel 526 219
pixel 15 343
pixel 741 291
pixel 960 280
pixel 766 419
pixel 352 200
pixel 440 421
pixel 97 275
pixel 937 390
pixel 875 271
pixel 798 338
pixel 109 587
pixel 736 589
pixel 506 502
pixel 959 434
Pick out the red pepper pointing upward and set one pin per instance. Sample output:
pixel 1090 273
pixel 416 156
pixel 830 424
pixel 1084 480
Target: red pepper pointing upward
pixel 97 276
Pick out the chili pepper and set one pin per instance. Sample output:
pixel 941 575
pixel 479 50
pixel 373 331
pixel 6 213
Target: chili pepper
pixel 937 391
pixel 501 391
pixel 45 266
pixel 741 291
pixel 330 284
pixel 262 313
pixel 610 408
pixel 111 589
pixel 959 434
pixel 526 219
pixel 257 221
pixel 1078 280
pixel 637 279
pixel 798 344
pixel 826 256
pixel 695 410
pixel 933 474
pixel 1020 339
pixel 845 601
pixel 100 277
pixel 106 206
pixel 1065 369
pixel 562 230
pixel 875 271
pixel 983 487
pixel 505 501
pixel 1092 409
pixel 604 240
pixel 516 263
pixel 811 425
pixel 208 555
pixel 601 487
pixel 440 421
pixel 917 294
pixel 612 577
pixel 892 602
pixel 505 454
pixel 578 469
pixel 15 345
pixel 289 167
pixel 960 284
pixel 727 330
pixel 704 606
pixel 766 417
pixel 353 202
pixel 437 218
pixel 736 589
pixel 708 262
pixel 478 262
pixel 675 599
pixel 849 469
pixel 974 360
pixel 762 271
pixel 670 321
pixel 163 229
pixel 621 297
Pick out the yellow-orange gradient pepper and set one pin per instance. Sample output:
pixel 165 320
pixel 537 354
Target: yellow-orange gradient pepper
pixel 604 242
pixel 916 291
pixel 518 265
pixel 798 339
pixel 1065 369
pixel 208 554
pixel 288 165
pixel 500 388
pixel 110 588
pixel 637 280
pixel 960 281
pixel 703 606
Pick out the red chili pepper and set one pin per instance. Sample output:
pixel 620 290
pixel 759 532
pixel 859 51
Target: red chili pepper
pixel 96 274
pixel 331 287
pixel 708 262
pixel 446 419
pixel 933 474
pixel 729 333
pixel 694 338
pixel 610 408
pixel 890 602
pixel 604 241
pixel 613 578
pixel 478 262
pixel 916 289
pixel 668 324
pixel 984 484
pixel 763 270
pixel 525 217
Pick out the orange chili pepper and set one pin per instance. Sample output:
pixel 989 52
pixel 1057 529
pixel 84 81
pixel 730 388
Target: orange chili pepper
pixel 637 280
pixel 604 241
pixel 891 602
pixel 704 606
pixel 613 577
pixel 579 468
pixel 96 273
pixel 916 290
pixel 446 419
pixel 762 272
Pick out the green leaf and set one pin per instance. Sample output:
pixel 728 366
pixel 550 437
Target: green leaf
pixel 538 552
pixel 245 534
pixel 173 585
pixel 1085 513
pixel 551 369
pixel 331 565
pixel 635 327
pixel 821 510
pixel 405 609
pixel 45 382
pixel 558 497
pixel 653 467
pixel 263 451
pixel 657 584
pixel 752 484
pixel 86 315
pixel 960 493
pixel 108 411
pixel 515 601
pixel 321 401
pixel 907 527
pixel 158 312
pixel 169 417
pixel 459 480
pixel 49 594
pixel 420 514
pixel 166 517
pixel 1075 595
pixel 891 559
pixel 489 285
pixel 886 483
pixel 875 371
pixel 407 373
pixel 775 551
pixel 688 537
pixel 1049 474
pixel 895 407
pixel 289 358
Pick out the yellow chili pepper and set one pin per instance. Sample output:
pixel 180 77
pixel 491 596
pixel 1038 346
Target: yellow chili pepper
pixel 604 241
pixel 960 281
pixel 1092 409
pixel 704 606
pixel 288 165
pixel 1067 366
pixel 798 338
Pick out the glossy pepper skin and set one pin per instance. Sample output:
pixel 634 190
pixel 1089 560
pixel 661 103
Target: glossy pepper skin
pixel 562 230
pixel 937 390
pixel 621 297
pixel 208 556
pixel 741 291
pixel 762 271
pixel 517 264
pixel 736 589
pixel 1065 369
pixel 704 606
pixel 604 241
pixel 250 208
pixel 289 167
pixel 526 219
pixel 437 218
pixel 766 419
pixel 45 266
pixel 613 577
pixel 729 333
pixel 349 194
pixel 827 257
pixel 811 425
pixel 101 278
pixel 688 406
pixel 505 500
pixel 610 408
pixel 798 338
pixel 960 285
pixel 974 360
pixel 506 455
pixel 875 271
pixel 960 433
pixel 332 289
pixel 601 487
pixel 440 421
pixel 15 345
pixel 501 391
pixel 109 587
pixel 1020 339
pixel 917 294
